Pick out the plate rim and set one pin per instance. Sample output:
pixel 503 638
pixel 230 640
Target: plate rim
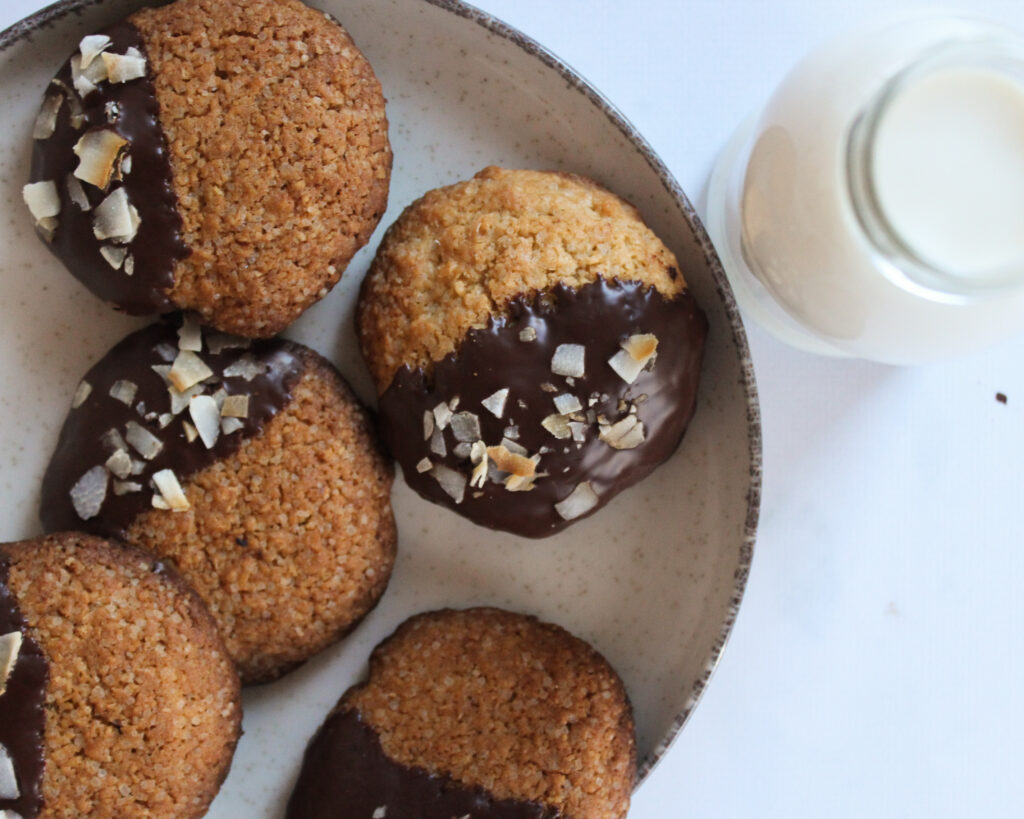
pixel 52 13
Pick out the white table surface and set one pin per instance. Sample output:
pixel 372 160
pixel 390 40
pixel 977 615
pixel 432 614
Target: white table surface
pixel 876 669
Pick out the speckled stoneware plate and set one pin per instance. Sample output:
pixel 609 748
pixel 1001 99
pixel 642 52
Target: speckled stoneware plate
pixel 653 581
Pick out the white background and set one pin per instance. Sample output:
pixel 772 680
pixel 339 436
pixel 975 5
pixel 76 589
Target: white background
pixel 876 669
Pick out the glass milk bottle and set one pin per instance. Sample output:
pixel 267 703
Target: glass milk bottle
pixel 875 208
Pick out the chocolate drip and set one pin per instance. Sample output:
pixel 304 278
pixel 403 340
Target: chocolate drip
pixel 346 774
pixel 149 185
pixel 22 718
pixel 81 446
pixel 598 316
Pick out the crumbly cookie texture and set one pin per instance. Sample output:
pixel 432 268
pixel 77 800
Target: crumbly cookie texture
pixel 502 701
pixel 460 254
pixel 142 706
pixel 278 142
pixel 291 539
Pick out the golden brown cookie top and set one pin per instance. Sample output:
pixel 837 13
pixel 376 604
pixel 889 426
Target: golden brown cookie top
pixel 461 253
pixel 278 140
pixel 503 702
pixel 142 708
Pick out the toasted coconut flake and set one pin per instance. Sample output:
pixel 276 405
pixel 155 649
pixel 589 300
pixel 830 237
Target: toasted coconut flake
pixel 425 465
pixel 514 448
pixel 116 219
pixel 478 452
pixel 42 198
pixel 112 441
pixel 167 483
pixel 437 444
pixel 124 68
pixel 10 648
pixel 206 417
pixel 580 501
pixel 516 483
pixel 219 397
pixel 578 430
pixel 191 433
pixel 641 346
pixel 495 402
pixel 442 415
pixel 168 352
pixel 79 77
pixel 627 433
pixel 164 419
pixel 452 482
pixel 235 406
pixel 112 111
pixel 218 342
pixel 82 393
pixel 138 467
pixel 188 370
pixel 89 492
pixel 625 366
pixel 528 334
pixel 91 47
pixel 114 255
pixel 569 359
pixel 462 449
pixel 179 398
pixel 190 336
pixel 245 367
pixel 428 424
pixel 8 781
pixel 465 426
pixel 557 425
pixel 46 119
pixel 567 403
pixel 124 391
pixel 126 487
pixel 119 464
pixel 99 153
pixel 509 462
pixel 547 386
pixel 47 228
pixel 142 440
pixel 125 167
pixel 159 503
pixel 512 432
pixel 129 265
pixel 229 425
pixel 479 476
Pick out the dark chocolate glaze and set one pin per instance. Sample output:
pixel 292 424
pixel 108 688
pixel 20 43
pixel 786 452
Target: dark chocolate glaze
pixel 22 718
pixel 80 446
pixel 158 244
pixel 346 774
pixel 599 316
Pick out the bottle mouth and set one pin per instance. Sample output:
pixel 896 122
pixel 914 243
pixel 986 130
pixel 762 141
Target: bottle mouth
pixel 882 216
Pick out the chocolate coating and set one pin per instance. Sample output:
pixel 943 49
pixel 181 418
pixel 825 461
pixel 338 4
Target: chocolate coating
pixel 21 706
pixel 158 244
pixel 598 316
pixel 345 773
pixel 81 446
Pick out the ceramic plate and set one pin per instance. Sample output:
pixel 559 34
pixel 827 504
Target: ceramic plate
pixel 653 581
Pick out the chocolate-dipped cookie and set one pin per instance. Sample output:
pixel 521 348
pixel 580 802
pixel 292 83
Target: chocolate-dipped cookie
pixel 480 713
pixel 220 157
pixel 250 466
pixel 116 695
pixel 534 346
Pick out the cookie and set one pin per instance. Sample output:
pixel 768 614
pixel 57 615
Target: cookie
pixel 116 695
pixel 475 713
pixel 250 466
pixel 534 345
pixel 219 157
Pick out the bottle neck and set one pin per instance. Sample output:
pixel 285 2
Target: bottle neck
pixel 935 170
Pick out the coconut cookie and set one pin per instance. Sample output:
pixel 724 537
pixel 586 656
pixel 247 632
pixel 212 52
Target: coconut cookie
pixel 479 713
pixel 116 695
pixel 534 346
pixel 220 157
pixel 250 466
